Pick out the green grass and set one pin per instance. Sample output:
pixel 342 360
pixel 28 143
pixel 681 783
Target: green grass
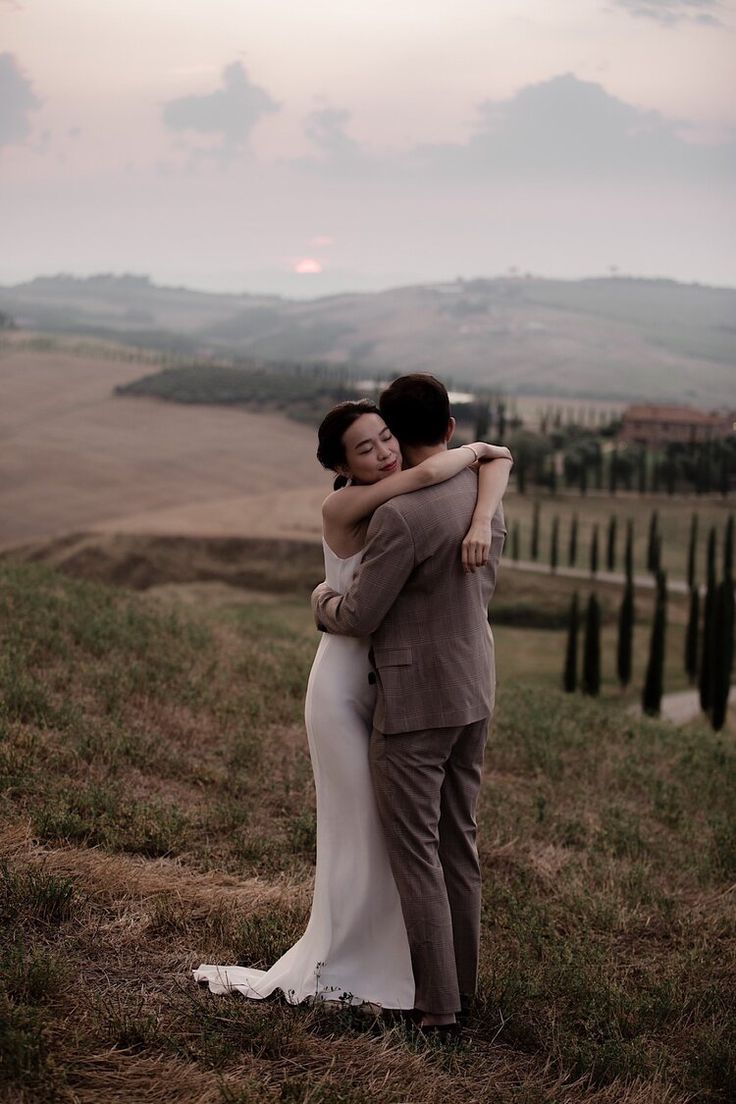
pixel 535 655
pixel 156 792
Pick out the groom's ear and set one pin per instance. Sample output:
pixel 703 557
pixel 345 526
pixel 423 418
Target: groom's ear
pixel 450 430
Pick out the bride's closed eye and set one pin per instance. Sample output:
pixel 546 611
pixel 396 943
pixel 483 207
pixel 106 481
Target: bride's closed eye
pixel 385 437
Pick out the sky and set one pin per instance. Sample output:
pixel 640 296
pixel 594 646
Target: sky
pixel 304 149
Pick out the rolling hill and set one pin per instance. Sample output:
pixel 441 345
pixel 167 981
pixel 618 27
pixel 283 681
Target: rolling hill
pixel 614 338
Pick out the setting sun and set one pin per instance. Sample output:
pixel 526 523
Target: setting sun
pixel 307 266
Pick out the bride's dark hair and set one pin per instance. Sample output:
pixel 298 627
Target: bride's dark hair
pixel 331 450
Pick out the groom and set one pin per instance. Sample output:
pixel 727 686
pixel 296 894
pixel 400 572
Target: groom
pixel 433 666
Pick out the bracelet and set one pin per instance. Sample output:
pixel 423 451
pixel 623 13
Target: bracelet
pixel 475 454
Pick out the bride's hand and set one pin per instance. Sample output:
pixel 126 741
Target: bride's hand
pixel 476 546
pixel 494 452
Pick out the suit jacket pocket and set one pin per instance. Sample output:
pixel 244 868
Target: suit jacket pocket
pixel 392 657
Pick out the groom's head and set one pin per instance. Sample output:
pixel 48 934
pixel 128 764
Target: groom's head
pixel 416 408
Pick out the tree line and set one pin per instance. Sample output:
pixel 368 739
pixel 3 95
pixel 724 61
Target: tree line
pixel 584 454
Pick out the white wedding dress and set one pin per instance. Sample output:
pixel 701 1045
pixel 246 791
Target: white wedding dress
pixel 355 947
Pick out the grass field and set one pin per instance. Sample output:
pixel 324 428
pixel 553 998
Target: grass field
pixel 157 811
pixel 528 653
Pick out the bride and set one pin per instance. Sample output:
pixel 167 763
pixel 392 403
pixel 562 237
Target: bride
pixel 355 947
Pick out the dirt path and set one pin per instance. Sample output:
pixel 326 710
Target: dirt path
pixel 643 582
pixel 683 706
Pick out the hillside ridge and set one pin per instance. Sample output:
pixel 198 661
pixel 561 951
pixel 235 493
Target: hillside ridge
pixel 617 337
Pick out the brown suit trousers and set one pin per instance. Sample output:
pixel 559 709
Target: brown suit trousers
pixel 426 786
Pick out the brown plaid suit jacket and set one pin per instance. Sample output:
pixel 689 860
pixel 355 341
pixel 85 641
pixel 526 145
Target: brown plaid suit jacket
pixel 432 646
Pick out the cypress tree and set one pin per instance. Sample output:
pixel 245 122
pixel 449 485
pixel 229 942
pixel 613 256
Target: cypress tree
pixel 707 651
pixel 692 551
pixel 725 475
pixel 554 544
pixel 629 553
pixel 642 472
pixel 728 598
pixel 594 551
pixel 482 420
pixel 591 681
pixel 598 468
pixel 552 475
pixel 710 557
pixel 723 626
pixel 625 635
pixel 515 541
pixel 727 638
pixel 534 543
pixel 611 543
pixel 583 478
pixel 728 549
pixel 657 554
pixel 501 420
pixel 707 469
pixel 570 676
pixel 572 551
pixel 652 564
pixel 654 681
pixel 691 636
pixel 699 462
pixel 612 472
pixel 656 473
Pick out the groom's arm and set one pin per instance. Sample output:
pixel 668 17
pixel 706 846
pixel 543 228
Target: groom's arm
pixel 387 563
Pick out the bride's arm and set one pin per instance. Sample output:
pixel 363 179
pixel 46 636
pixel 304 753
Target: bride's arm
pixel 492 482
pixel 351 505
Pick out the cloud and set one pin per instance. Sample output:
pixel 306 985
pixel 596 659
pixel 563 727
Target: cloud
pixel 326 129
pixel 230 112
pixel 565 127
pixel 17 101
pixel 669 12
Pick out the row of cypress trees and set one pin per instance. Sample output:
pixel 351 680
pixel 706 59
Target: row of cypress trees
pixel 611 542
pixel 611 545
pixel 590 675
pixel 709 651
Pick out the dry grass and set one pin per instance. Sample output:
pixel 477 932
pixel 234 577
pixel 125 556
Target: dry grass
pixel 157 798
pixel 72 455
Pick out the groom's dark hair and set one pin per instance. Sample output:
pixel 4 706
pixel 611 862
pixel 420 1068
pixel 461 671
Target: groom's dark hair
pixel 416 408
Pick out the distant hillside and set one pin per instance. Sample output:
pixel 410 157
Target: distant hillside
pixel 616 338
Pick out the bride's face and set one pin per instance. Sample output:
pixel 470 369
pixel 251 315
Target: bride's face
pixel 371 450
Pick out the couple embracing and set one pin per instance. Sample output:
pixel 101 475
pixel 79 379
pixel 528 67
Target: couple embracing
pixel 398 703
